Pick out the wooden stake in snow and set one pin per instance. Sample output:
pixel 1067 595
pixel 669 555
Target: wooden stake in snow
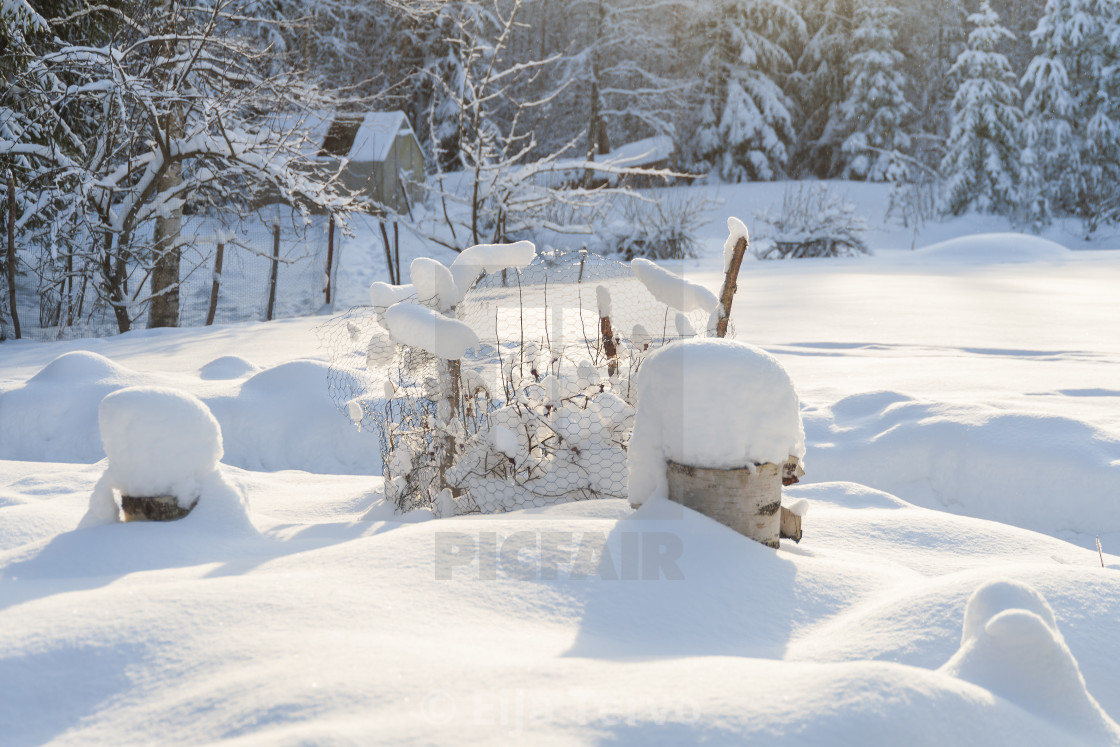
pixel 454 396
pixel 272 275
pixel 790 527
pixel 603 297
pixel 330 259
pixel 1100 552
pixel 216 284
pixel 733 251
pixel 445 338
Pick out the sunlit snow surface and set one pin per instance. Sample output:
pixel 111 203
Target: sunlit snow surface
pixel 967 396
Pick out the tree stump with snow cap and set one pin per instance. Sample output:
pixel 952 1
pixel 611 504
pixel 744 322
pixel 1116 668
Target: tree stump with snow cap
pixel 162 444
pixel 719 430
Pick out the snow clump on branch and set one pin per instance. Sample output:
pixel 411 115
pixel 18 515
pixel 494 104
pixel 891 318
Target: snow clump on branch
pixel 420 327
pixel 673 290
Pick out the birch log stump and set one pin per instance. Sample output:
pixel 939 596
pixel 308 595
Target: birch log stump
pixel 746 499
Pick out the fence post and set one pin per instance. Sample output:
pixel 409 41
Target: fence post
pixel 397 250
pixel 216 284
pixel 393 277
pixel 12 252
pixel 330 258
pixel 275 270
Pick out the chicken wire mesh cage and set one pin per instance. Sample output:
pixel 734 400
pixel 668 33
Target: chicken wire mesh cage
pixel 539 413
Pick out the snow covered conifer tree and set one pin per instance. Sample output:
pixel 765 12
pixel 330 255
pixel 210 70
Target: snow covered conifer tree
pixel 822 70
pixel 1072 136
pixel 982 158
pixel 876 142
pixel 753 124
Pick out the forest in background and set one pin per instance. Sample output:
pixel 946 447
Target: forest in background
pixel 118 119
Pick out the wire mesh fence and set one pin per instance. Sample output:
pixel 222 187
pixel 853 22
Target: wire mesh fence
pixel 274 263
pixel 277 255
pixel 540 412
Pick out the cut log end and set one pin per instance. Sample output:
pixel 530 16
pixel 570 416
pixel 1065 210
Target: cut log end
pixel 792 471
pixel 790 527
pixel 154 508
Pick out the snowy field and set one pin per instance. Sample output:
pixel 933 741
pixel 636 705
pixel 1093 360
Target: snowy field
pixel 962 413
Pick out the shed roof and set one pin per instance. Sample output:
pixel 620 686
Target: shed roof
pixel 358 137
pixel 377 133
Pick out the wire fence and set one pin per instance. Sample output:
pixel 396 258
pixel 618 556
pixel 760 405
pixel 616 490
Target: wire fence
pixel 540 412
pixel 272 264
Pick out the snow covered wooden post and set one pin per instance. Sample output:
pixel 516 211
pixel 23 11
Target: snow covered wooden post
pixel 606 329
pixel 734 248
pixel 162 444
pixel 719 430
pixel 448 340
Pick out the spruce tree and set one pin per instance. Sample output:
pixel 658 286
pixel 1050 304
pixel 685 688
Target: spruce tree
pixel 876 142
pixel 1071 131
pixel 749 136
pixel 822 70
pixel 982 158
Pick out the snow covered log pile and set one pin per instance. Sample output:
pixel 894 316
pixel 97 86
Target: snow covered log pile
pixel 719 430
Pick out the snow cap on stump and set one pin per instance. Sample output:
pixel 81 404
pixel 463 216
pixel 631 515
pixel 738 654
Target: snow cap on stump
pixel 159 441
pixel 711 403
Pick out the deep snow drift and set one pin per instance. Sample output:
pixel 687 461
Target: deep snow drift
pixel 962 436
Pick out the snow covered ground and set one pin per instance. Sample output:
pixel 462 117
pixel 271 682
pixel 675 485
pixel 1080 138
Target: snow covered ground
pixel 962 415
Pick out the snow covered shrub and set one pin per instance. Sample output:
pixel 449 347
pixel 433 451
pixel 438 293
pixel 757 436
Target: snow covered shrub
pixel 539 409
pixel 813 222
pixel 657 228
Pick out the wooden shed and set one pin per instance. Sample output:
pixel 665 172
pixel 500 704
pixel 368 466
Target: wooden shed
pixel 385 161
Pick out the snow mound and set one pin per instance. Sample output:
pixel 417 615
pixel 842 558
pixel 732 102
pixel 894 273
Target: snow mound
pixel 290 376
pixel 1020 655
pixel 220 508
pixel 998 596
pixel 995 247
pixel 79 367
pixel 714 403
pixel 988 462
pixel 53 417
pixel 159 441
pixel 284 418
pixel 227 367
